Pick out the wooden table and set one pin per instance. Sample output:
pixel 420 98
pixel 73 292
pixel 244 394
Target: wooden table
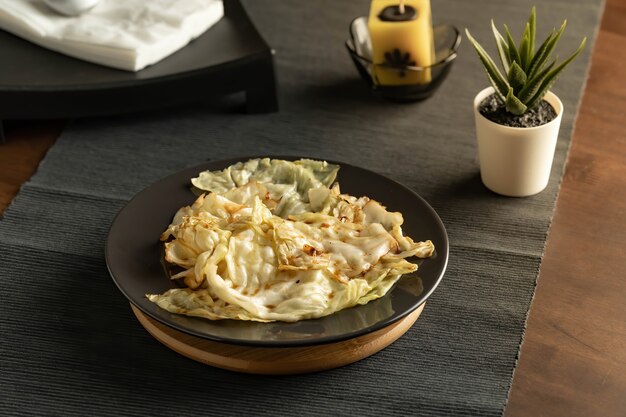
pixel 573 360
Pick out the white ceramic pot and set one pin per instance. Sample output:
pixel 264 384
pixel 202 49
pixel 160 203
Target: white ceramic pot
pixel 516 161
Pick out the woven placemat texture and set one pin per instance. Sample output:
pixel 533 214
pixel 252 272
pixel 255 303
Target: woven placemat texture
pixel 70 345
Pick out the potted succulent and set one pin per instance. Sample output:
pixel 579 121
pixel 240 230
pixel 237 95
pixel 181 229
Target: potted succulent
pixel 518 118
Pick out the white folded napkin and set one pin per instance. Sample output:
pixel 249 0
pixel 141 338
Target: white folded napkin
pixel 124 34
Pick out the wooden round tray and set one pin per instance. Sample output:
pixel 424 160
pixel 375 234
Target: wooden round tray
pixel 277 361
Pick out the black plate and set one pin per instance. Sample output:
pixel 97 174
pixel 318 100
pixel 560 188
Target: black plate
pixel 133 256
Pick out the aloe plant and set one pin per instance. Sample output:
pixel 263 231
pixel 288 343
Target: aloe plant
pixel 529 73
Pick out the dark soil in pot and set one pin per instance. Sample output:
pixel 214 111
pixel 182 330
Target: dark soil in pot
pixel 493 109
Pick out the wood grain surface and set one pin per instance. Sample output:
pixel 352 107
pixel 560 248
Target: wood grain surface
pixel 277 361
pixel 26 145
pixel 573 360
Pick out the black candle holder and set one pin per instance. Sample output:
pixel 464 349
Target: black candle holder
pixel 446 39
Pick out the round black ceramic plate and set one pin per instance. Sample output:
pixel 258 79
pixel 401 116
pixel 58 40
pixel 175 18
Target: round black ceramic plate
pixel 134 259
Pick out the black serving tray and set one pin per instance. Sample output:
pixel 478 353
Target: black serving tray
pixel 36 83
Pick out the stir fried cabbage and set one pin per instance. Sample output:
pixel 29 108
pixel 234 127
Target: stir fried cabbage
pixel 276 240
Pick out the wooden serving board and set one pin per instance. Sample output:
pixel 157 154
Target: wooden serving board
pixel 277 361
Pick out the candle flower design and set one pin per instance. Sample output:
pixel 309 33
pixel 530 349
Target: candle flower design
pixel 396 59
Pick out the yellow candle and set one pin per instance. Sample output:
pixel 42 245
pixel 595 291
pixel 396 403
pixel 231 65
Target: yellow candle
pixel 401 38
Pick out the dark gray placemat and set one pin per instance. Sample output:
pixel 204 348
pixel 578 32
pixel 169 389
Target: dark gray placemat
pixel 69 344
